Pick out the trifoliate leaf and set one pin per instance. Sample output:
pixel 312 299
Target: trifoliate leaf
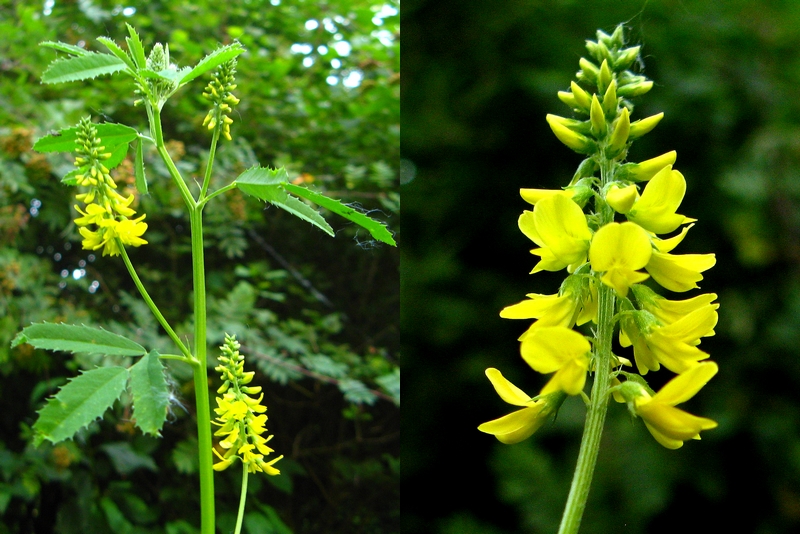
pixel 77 338
pixel 150 394
pixel 213 60
pixel 376 229
pixel 267 184
pixel 84 399
pixel 84 67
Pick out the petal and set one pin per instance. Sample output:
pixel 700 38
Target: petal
pixel 686 385
pixel 532 196
pixel 517 426
pixel 655 210
pixel 532 308
pixel 696 324
pixel 562 226
pixel 673 422
pixel 667 245
pixel 679 272
pixel 618 245
pixel 570 378
pixel 507 391
pixel 548 348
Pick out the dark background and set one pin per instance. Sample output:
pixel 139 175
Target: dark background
pixel 480 77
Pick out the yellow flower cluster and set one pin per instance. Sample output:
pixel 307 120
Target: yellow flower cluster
pixel 105 209
pixel 218 91
pixel 241 418
pixel 618 246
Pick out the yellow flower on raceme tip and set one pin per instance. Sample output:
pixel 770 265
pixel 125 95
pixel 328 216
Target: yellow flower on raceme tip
pixel 645 170
pixel 670 426
pixel 521 424
pixel 558 225
pixel 622 198
pixel 655 209
pixel 618 250
pixel 560 350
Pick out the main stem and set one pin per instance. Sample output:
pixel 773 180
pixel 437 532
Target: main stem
pixel 199 362
pixel 598 405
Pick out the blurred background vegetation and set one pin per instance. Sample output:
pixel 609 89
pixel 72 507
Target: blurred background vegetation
pixel 479 79
pixel 317 317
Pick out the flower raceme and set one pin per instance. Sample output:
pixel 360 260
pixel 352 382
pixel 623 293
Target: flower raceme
pixel 241 418
pixel 105 209
pixel 611 233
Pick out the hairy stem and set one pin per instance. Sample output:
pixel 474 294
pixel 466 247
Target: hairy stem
pixel 598 405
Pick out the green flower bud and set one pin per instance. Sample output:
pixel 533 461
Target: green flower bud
pixel 643 126
pixel 619 137
pixel 610 101
pixel 598 119
pixel 589 71
pixel 605 77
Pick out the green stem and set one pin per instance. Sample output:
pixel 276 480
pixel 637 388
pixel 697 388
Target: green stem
pixel 199 359
pixel 595 416
pixel 598 405
pixel 211 155
pixel 219 191
pixel 152 305
pixel 242 499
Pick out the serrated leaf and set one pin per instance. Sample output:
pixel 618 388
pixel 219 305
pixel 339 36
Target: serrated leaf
pixel 117 51
pixel 324 365
pixel 64 47
pixel 69 178
pixel 135 47
pixel 356 392
pixel 111 133
pixel 377 229
pixel 77 338
pixel 84 399
pixel 138 169
pixel 150 394
pixel 391 383
pixel 267 185
pixel 213 60
pixel 83 67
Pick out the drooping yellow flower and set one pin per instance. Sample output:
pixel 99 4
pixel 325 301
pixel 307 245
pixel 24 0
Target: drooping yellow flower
pixel 240 426
pixel 670 311
pixel 622 198
pixel 679 272
pixel 655 210
pixel 671 426
pixel 558 225
pixel 560 350
pixel 521 424
pixel 619 250
pixel 674 345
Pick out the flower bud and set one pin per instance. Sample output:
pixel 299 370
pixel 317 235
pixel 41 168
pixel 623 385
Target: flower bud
pixel 598 119
pixel 582 98
pixel 620 136
pixel 577 142
pixel 605 76
pixel 610 100
pixel 622 198
pixel 589 71
pixel 643 126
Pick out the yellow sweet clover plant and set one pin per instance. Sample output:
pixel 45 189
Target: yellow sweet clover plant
pixel 609 228
pixel 108 220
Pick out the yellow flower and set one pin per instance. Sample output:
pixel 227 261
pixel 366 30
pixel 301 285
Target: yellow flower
pixel 619 250
pixel 129 230
pixel 674 345
pixel 558 349
pixel 550 310
pixel 655 210
pixel 558 225
pixel 670 311
pixel 622 198
pixel 240 427
pixel 671 426
pixel 677 272
pixel 93 215
pixel 521 424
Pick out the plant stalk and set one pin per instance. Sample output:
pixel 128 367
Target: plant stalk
pixel 242 499
pixel 598 404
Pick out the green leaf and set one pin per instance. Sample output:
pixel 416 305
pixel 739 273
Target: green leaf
pixel 138 169
pixel 135 47
pixel 118 154
pixel 356 392
pixel 391 384
pixel 213 60
pixel 64 47
pixel 376 229
pixel 117 51
pixel 267 184
pixel 83 67
pixel 127 460
pixel 74 338
pixel 150 394
pixel 111 133
pixel 184 456
pixel 84 399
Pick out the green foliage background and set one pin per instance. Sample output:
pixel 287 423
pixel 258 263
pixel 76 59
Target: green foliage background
pixel 317 316
pixel 480 77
